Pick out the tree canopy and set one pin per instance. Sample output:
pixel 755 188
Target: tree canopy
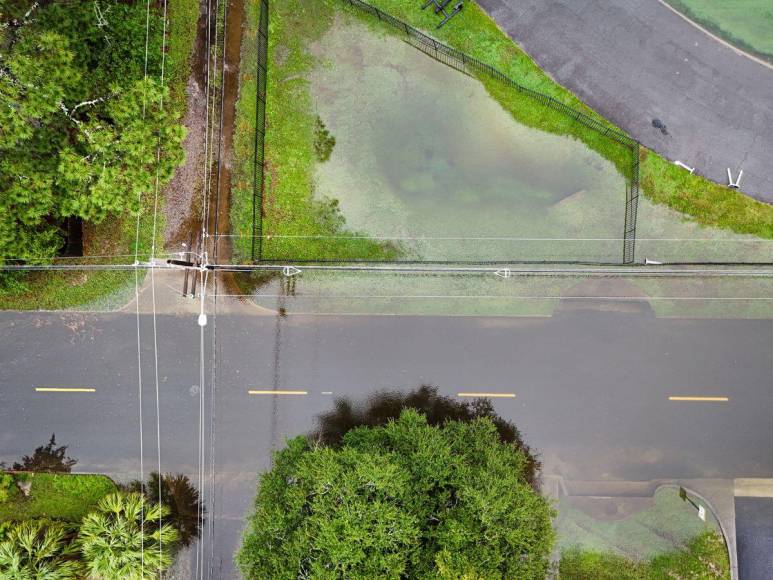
pixel 180 497
pixel 39 549
pixel 402 500
pixel 385 406
pixel 79 122
pixel 122 538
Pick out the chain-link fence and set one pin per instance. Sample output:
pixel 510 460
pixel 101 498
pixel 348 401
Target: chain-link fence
pixel 260 133
pixel 611 251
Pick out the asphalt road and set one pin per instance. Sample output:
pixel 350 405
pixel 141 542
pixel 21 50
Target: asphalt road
pixel 636 60
pixel 754 533
pixel 591 390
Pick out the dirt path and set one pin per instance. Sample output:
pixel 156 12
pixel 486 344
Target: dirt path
pixel 220 195
pixel 183 194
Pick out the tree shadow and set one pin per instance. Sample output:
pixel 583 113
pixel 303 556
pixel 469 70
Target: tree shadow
pixel 186 510
pixel 385 406
pixel 47 459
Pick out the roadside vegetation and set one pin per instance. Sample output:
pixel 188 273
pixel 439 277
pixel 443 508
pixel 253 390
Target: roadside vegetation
pixel 295 142
pixel 56 525
pixel 405 488
pixel 58 496
pixel 744 23
pixel 78 138
pixel 638 538
pixel 704 557
pixel 119 538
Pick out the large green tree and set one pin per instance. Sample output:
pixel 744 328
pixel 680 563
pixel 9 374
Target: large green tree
pixel 401 500
pixel 79 123
pixel 385 406
pixel 122 538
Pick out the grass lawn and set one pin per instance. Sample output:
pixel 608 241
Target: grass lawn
pixel 638 538
pixel 290 208
pixel 58 496
pixel 708 203
pixel 116 235
pixel 748 24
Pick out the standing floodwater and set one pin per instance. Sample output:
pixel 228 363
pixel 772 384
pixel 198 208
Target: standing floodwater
pixel 422 151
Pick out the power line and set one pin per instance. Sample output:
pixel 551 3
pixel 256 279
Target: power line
pixel 207 128
pixel 69 267
pixel 494 297
pixel 153 285
pixel 486 238
pixel 509 269
pixel 220 132
pixel 206 194
pixel 513 267
pixel 200 458
pixel 215 249
pixel 137 297
pixel 212 431
pixel 85 257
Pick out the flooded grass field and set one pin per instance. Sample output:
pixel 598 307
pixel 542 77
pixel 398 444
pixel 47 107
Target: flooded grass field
pixel 421 162
pixel 426 159
pixel 418 159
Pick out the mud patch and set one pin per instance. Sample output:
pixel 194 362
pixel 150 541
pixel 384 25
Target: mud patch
pixel 183 205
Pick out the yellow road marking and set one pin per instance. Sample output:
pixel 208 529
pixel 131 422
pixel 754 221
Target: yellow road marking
pixel 700 399
pixel 266 392
pixel 490 395
pixel 65 390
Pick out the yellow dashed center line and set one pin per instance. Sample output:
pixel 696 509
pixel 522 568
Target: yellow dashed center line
pixel 65 390
pixel 489 395
pixel 285 392
pixel 699 399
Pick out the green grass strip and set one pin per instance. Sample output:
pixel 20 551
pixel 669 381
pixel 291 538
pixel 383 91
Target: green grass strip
pixel 748 24
pixel 57 496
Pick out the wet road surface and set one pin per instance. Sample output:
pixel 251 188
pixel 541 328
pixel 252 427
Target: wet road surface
pixel 754 532
pixel 591 390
